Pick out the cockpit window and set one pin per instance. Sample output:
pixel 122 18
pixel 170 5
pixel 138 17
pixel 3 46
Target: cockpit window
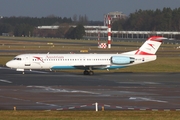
pixel 17 59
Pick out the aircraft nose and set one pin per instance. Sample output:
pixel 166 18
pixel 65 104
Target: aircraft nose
pixel 9 64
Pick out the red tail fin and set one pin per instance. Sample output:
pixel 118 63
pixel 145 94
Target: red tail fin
pixel 150 46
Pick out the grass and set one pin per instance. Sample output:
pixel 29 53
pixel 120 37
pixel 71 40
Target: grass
pixel 89 115
pixel 164 63
pixel 167 61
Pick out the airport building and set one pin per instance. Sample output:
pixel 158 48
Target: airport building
pixel 102 31
pixel 114 17
pixel 131 34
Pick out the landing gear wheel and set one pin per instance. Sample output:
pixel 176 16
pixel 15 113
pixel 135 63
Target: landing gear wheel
pixel 91 73
pixel 86 72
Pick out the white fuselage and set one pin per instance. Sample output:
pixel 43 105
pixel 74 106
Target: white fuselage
pixel 77 61
pixel 88 62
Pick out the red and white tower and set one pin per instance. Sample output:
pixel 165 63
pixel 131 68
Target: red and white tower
pixel 109 31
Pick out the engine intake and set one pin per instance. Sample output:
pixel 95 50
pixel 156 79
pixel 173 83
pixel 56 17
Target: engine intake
pixel 120 60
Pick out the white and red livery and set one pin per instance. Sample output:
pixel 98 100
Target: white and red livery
pixel 88 62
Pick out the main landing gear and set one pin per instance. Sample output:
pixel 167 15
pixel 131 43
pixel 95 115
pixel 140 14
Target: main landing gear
pixel 90 72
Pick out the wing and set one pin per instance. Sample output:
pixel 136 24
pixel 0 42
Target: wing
pixel 91 67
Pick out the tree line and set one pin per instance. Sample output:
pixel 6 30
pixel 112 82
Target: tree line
pixel 166 19
pixel 27 26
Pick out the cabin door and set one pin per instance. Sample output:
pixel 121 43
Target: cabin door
pixel 27 61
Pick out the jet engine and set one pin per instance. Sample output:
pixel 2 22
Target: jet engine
pixel 119 60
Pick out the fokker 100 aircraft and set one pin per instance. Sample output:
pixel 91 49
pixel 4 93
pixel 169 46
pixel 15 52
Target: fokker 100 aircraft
pixel 88 62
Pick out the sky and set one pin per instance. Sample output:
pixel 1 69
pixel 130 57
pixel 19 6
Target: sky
pixel 93 9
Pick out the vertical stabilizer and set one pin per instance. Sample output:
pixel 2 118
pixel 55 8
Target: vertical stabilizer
pixel 150 46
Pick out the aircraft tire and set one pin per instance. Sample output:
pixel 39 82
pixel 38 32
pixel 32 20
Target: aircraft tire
pixel 91 73
pixel 86 72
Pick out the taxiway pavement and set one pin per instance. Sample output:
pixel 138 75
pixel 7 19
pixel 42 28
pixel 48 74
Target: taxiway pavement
pixel 44 90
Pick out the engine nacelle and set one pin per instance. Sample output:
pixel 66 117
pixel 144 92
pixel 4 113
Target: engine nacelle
pixel 120 60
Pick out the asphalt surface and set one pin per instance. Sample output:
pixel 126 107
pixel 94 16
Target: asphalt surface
pixel 45 90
